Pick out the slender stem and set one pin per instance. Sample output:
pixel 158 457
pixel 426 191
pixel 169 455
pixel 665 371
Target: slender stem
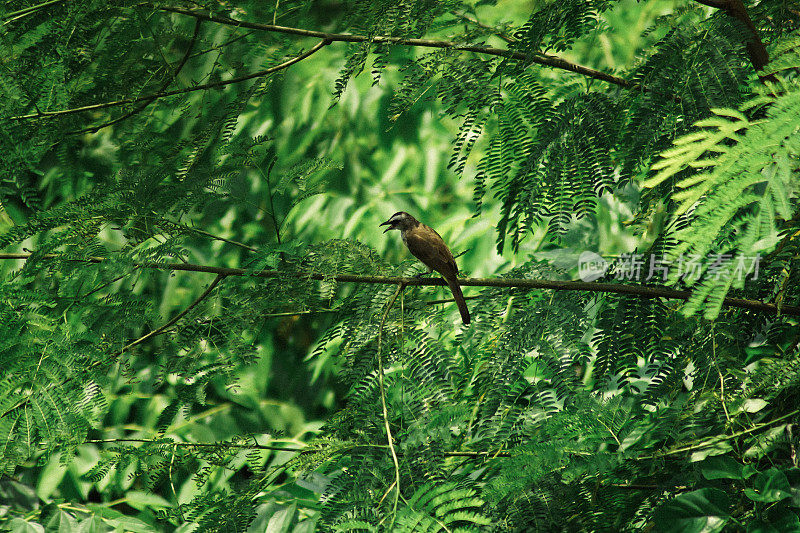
pixel 715 440
pixel 642 291
pixel 507 38
pixel 14 15
pixel 161 329
pixel 389 439
pixel 214 85
pixel 177 317
pixel 217 237
pixel 271 202
pixel 305 450
pixel 143 106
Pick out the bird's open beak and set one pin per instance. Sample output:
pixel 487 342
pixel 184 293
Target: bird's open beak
pixel 389 223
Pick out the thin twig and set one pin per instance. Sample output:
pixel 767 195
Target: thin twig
pixel 174 319
pixel 14 15
pixel 214 85
pixel 449 300
pixel 389 439
pixel 271 202
pixel 716 439
pixel 306 450
pixel 143 106
pixel 642 291
pixel 161 329
pixel 499 33
pixel 212 236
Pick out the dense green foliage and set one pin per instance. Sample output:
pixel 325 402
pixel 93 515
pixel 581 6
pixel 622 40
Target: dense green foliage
pixel 139 392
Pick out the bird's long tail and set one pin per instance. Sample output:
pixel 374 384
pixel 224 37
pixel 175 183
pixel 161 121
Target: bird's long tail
pixel 459 297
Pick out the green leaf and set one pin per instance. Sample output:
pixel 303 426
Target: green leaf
pixel 752 405
pixel 61 522
pixel 724 467
pixel 770 486
pixel 51 476
pixel 143 500
pixel 93 524
pixel 282 520
pixel 355 525
pixel 699 511
pixel 18 525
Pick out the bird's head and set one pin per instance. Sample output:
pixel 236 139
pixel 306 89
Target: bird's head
pixel 400 220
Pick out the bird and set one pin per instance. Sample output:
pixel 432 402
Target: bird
pixel 428 246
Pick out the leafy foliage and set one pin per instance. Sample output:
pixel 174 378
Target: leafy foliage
pixel 145 150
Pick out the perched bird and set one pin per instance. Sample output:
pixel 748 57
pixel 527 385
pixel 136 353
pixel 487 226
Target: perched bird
pixel 426 245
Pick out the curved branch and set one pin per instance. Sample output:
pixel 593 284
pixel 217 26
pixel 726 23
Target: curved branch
pixel 756 50
pixel 642 291
pixel 214 85
pixel 143 106
pixel 161 329
pixel 23 401
pixel 541 59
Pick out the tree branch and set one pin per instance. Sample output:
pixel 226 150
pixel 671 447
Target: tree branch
pixel 158 331
pixel 256 446
pixel 642 291
pixel 143 106
pixel 756 50
pixel 541 59
pixel 166 325
pixel 125 101
pixel 14 15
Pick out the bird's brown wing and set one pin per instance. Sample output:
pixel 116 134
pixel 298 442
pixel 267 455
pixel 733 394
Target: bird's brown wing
pixel 428 246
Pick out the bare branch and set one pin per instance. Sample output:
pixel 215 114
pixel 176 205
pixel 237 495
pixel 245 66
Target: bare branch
pixel 306 450
pixel 642 291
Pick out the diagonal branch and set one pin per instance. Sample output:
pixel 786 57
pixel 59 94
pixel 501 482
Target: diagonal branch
pixel 301 451
pixel 15 15
pixel 540 59
pixel 642 291
pixel 161 329
pixel 756 50
pixel 158 331
pixel 214 85
pixel 146 103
